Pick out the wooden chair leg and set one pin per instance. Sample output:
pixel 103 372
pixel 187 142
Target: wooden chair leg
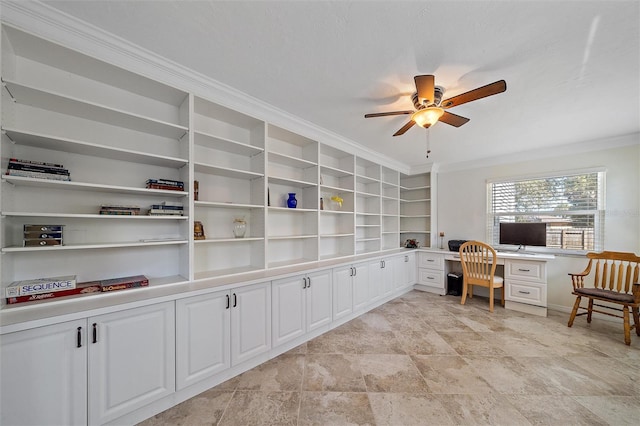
pixel 491 300
pixel 464 292
pixel 470 292
pixel 576 305
pixel 503 289
pixel 636 319
pixel 590 310
pixel 627 330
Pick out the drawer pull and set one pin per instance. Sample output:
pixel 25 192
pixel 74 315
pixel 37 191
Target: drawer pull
pixel 430 260
pixel 524 270
pixel 79 338
pixel 524 292
pixel 431 278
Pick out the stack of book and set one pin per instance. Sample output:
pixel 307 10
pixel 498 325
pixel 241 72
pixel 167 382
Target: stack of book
pixel 167 184
pixel 37 169
pixel 50 288
pixel 166 208
pixel 116 209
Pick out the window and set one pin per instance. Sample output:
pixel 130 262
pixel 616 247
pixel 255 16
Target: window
pixel 571 204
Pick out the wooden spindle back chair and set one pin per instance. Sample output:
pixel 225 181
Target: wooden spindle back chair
pixel 478 268
pixel 615 279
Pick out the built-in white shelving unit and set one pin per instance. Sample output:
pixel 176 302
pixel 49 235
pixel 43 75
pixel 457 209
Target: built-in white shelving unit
pixel 114 129
pixel 415 208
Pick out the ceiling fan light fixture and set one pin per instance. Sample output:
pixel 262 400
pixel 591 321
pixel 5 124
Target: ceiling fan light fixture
pixel 427 117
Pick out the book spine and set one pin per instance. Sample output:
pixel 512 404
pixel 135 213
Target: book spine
pixel 39 287
pixel 123 286
pixel 163 211
pixel 37 175
pixel 123 280
pixel 166 182
pixel 165 187
pixel 82 288
pixel 38 163
pixel 40 169
pixel 119 212
pixel 164 207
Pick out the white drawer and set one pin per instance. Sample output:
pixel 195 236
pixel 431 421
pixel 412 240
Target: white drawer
pixel 431 261
pixel 533 294
pixel 525 270
pixel 430 278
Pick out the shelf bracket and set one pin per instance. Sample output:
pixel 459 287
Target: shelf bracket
pixel 8 91
pixel 4 132
pixel 183 135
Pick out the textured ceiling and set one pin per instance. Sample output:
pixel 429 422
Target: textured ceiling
pixel 572 68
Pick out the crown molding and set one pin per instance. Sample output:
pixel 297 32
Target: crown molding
pixel 44 21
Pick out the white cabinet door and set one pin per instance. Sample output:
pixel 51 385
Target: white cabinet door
pixel 250 321
pixel 376 280
pixel 289 303
pixel 43 375
pixel 319 300
pixel 342 292
pixel 360 286
pixel 131 360
pixel 203 337
pixel 389 275
pixel 410 265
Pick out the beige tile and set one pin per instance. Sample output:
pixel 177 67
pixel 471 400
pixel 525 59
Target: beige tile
pixel 485 409
pixel 333 372
pixel 472 343
pixel 507 375
pixel 612 371
pixel 408 409
pixel 377 342
pixel 391 373
pixel 569 378
pixel 450 375
pixel 206 408
pixel 424 342
pixel 283 373
pixel 262 408
pixel 615 410
pixel 335 408
pixel 554 410
pixel 337 341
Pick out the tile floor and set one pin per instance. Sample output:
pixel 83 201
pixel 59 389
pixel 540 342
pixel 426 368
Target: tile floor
pixel 424 359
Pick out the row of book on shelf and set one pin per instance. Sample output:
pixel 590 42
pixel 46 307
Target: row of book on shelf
pixel 165 208
pixel 53 171
pixel 54 287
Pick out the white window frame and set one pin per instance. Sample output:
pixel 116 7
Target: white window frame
pixel 598 213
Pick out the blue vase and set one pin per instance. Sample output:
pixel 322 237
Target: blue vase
pixel 292 202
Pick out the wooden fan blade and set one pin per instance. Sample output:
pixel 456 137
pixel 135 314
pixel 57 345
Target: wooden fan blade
pixel 383 114
pixel 453 119
pixel 472 95
pixel 425 88
pixel 404 128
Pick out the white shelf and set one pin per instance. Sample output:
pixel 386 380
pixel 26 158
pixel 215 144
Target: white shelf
pixel 335 189
pixel 224 144
pixel 414 215
pixel 292 237
pixel 284 263
pixel 415 231
pixel 94 216
pixel 290 182
pixel 335 235
pixel 94 246
pixel 332 171
pixel 92 111
pixel 290 161
pixel 38 140
pixel 421 200
pixel 367 194
pixel 360 240
pixel 336 211
pixel 79 186
pixel 225 171
pixel 288 210
pixel 367 179
pixel 367 226
pixel 215 204
pixel 227 240
pixel 225 272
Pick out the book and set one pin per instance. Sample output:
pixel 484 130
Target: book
pixel 40 285
pixel 119 212
pixel 164 187
pixel 34 168
pixel 81 288
pixel 38 163
pixel 37 175
pixel 166 182
pixel 164 207
pixel 122 283
pixel 167 212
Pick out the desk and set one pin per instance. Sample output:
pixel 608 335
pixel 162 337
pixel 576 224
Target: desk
pixel 525 276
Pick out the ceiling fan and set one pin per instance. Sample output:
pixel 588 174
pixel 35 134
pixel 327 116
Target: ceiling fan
pixel 430 108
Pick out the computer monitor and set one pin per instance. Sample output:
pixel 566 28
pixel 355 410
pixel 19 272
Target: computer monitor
pixel 523 233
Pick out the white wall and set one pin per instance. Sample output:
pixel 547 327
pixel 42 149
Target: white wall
pixel 462 202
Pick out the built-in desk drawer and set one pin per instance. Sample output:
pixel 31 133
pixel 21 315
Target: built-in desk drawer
pixel 525 270
pixel 431 261
pixel 530 293
pixel 431 278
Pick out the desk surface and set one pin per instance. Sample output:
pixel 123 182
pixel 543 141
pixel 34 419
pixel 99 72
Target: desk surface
pixel 502 255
